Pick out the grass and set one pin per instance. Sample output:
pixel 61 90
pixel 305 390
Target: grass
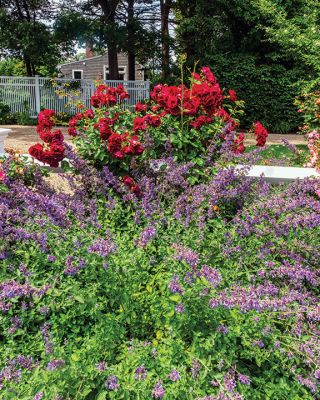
pixel 276 154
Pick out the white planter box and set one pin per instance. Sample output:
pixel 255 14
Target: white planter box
pixel 3 135
pixel 276 174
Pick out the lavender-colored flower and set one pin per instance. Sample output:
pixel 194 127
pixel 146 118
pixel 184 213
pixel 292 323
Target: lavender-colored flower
pixel 244 379
pixel 258 343
pixel 102 247
pixel 175 286
pixel 223 329
pixel 24 270
pixel 290 146
pixel 15 324
pixel 101 366
pixel 195 368
pixel 317 373
pixel 179 308
pixel 47 337
pixel 38 396
pixel 44 310
pixel 74 266
pixel 158 391
pixel 185 254
pixel 174 375
pixel 229 381
pixel 140 373
pixel 146 236
pixel 112 383
pixel 51 258
pixel 54 364
pixel 308 382
pixel 212 275
pixel 106 266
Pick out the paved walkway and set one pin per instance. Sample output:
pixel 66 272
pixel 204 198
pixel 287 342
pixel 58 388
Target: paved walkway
pixel 22 137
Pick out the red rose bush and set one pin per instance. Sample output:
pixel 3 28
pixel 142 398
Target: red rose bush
pixel 189 120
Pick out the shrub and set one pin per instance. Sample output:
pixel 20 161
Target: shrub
pixel 5 115
pixel 268 90
pixel 187 122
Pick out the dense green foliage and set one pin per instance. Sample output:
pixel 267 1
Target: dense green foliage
pixel 247 47
pixel 268 90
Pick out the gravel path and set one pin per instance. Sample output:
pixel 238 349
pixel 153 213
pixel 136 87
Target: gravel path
pixel 22 137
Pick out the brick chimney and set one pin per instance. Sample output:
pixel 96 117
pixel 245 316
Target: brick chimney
pixel 89 50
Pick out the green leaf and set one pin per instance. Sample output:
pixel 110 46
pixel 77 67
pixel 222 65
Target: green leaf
pixel 75 357
pixel 102 395
pixel 176 298
pixel 80 299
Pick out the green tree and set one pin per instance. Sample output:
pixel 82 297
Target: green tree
pixel 267 47
pixel 12 67
pixel 25 33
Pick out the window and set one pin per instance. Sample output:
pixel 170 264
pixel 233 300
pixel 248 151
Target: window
pixel 122 71
pixel 77 74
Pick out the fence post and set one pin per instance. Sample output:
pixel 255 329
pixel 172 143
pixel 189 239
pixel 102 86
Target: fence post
pixel 148 89
pixel 37 93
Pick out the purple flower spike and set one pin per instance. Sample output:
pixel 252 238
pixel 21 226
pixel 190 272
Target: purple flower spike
pixel 174 375
pixel 112 383
pixel 244 379
pixel 140 373
pixel 174 285
pixel 158 391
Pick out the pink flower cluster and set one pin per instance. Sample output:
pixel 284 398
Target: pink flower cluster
pixel 314 146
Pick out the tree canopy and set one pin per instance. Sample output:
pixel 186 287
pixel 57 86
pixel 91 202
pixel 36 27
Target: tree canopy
pixel 264 46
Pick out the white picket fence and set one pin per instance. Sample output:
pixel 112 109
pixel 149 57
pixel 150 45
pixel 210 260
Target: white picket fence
pixel 31 94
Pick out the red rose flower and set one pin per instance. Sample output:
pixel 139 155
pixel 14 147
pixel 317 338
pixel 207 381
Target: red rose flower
pixel 233 95
pixel 36 151
pixel 128 181
pixel 88 114
pixel 57 136
pixel 45 136
pixel 136 190
pixel 141 108
pixel 124 95
pixel 261 133
pixel 72 131
pixel 200 121
pixel 139 124
pixel 238 144
pixel 208 75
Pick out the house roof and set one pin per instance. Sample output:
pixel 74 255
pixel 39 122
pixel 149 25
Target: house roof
pixel 86 59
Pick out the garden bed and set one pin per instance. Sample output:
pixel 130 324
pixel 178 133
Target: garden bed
pixel 164 272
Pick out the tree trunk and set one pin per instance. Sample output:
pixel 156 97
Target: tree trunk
pixel 131 41
pixel 113 62
pixel 28 65
pixel 109 11
pixel 165 7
